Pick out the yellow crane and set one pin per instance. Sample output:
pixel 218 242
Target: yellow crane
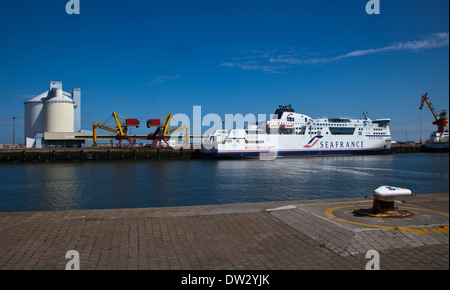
pixel 120 128
pixel 441 121
pixel 162 129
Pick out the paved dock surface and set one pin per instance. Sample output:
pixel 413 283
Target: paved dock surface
pixel 299 235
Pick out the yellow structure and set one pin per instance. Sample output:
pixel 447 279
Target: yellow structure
pixel 441 121
pixel 163 129
pixel 120 128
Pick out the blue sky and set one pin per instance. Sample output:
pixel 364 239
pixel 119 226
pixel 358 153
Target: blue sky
pixel 145 59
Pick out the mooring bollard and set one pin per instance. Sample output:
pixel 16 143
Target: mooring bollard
pixel 384 202
pixel 384 197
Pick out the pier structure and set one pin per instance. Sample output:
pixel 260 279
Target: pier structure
pixel 285 235
pixel 108 152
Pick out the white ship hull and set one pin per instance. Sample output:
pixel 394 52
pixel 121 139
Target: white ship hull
pixel 295 134
pixel 439 142
pixel 295 145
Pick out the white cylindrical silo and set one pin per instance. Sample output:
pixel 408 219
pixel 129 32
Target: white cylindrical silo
pixel 58 93
pixel 34 121
pixel 58 113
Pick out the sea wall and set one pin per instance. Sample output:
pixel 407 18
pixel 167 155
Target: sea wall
pixel 108 154
pixel 407 148
pixel 93 154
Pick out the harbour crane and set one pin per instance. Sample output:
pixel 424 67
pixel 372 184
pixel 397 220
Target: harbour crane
pixel 441 121
pixel 163 130
pixel 120 128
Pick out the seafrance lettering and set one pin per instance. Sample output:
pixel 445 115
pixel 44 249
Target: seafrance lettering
pixel 341 144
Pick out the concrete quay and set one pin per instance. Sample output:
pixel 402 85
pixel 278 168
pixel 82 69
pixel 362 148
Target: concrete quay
pixel 51 155
pixel 288 235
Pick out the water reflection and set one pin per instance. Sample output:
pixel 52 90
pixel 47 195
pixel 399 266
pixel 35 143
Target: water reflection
pixel 128 184
pixel 52 187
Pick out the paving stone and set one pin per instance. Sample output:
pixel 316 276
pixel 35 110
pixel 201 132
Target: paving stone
pixel 230 237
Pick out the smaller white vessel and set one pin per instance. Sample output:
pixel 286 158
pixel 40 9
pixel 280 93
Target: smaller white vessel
pixel 439 140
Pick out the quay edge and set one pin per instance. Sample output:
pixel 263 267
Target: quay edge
pixel 50 155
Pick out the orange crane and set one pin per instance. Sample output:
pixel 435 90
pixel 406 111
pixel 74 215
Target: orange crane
pixel 120 129
pixel 162 130
pixel 441 121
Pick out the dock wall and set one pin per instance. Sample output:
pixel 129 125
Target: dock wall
pixel 407 148
pixel 106 154
pixel 92 154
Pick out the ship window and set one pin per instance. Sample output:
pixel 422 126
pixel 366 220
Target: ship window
pixel 342 131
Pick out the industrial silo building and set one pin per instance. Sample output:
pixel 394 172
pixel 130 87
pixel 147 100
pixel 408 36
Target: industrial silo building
pixel 53 118
pixel 58 113
pixel 34 123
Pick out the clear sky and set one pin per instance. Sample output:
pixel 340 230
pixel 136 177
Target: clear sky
pixel 145 59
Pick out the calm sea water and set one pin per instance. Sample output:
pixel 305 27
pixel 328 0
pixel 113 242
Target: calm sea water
pixel 135 184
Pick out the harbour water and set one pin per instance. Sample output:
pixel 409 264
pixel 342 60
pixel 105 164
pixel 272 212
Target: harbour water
pixel 140 184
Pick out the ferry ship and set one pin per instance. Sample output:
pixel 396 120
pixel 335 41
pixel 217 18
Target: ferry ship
pixel 291 134
pixel 438 142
